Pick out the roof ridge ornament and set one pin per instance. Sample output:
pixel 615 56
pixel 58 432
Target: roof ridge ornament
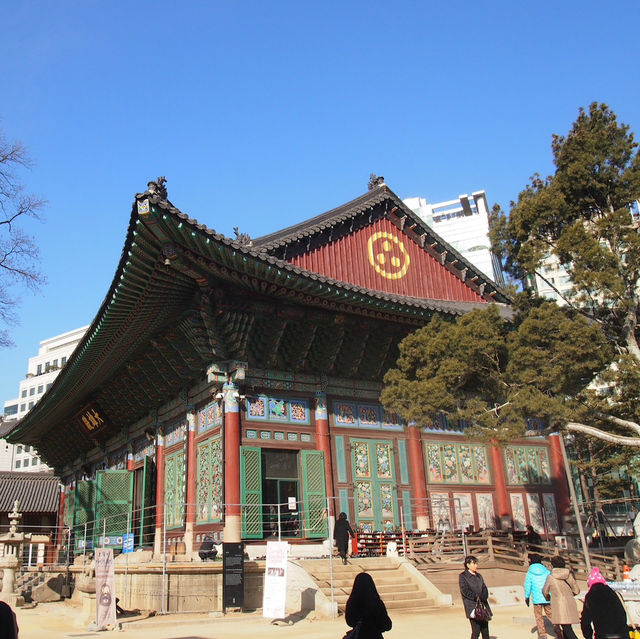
pixel 158 187
pixel 244 239
pixel 375 180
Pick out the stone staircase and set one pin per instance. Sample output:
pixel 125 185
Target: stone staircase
pixel 398 588
pixel 26 581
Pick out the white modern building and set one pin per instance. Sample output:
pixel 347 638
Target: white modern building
pixel 464 224
pixel 42 369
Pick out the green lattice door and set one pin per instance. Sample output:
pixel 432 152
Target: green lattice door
pixel 114 506
pixel 83 520
pixel 314 494
pixel 374 484
pixel 251 492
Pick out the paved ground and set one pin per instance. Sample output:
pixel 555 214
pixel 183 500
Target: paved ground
pixel 64 620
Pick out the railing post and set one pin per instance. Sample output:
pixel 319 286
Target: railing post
pixel 490 549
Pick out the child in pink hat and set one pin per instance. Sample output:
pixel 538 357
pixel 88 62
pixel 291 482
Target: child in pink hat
pixel 595 577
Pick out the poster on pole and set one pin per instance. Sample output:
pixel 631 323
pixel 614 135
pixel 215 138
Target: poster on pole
pixel 275 580
pixel 105 588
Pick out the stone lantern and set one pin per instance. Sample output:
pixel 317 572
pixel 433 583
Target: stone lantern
pixel 11 561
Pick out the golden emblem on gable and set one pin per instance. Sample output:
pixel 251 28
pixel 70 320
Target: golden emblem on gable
pixel 387 255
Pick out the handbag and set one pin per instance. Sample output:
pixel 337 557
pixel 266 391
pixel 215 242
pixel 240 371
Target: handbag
pixel 481 612
pixel 354 633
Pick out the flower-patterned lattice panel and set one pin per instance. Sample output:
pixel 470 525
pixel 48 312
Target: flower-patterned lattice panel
pixel 174 489
pixel 391 421
pixel 209 480
pixel 203 482
pixel 434 463
pixel 209 416
pixel 527 465
pixel 383 461
pixel 361 459
pixel 386 500
pixel 345 414
pixel 451 463
pixel 466 464
pixel 368 416
pixel 277 409
pixel 364 500
pixel 364 416
pixel 175 433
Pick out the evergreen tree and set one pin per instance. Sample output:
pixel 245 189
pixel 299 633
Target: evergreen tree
pixel 494 374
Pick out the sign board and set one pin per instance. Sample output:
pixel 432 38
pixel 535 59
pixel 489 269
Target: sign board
pixel 275 580
pixel 92 419
pixel 105 588
pixel 292 503
pixel 127 542
pixel 233 575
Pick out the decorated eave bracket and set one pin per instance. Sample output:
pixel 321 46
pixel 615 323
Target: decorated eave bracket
pixel 227 371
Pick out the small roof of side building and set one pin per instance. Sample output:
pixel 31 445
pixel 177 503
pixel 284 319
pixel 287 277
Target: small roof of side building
pixel 34 492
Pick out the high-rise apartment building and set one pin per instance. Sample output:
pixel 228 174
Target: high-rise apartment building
pixel 464 224
pixel 42 369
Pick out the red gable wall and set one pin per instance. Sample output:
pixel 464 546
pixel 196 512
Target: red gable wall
pixel 382 258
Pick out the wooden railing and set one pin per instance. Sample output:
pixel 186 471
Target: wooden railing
pixel 502 548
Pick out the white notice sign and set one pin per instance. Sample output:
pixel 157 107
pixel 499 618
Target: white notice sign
pixel 275 580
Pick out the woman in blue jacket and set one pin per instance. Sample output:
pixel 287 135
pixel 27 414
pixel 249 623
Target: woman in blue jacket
pixel 533 583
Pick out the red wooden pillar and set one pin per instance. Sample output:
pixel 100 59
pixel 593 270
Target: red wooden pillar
pixel 157 546
pixel 417 476
pixel 130 458
pixel 324 444
pixel 190 517
pixel 500 483
pixel 232 441
pixel 559 478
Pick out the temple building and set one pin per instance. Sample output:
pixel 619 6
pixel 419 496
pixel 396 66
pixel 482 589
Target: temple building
pixel 230 387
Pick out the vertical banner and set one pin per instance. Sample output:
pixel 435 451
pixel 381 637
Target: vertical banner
pixel 275 580
pixel 105 588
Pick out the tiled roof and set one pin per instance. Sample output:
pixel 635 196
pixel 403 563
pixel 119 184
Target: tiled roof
pixel 275 242
pixel 35 492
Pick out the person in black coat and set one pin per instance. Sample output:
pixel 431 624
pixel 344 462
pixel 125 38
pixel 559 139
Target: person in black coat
pixel 341 533
pixel 8 623
pixel 472 588
pixel 364 605
pixel 603 609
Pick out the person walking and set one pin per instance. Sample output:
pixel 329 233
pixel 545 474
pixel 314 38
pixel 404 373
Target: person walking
pixel 602 612
pixel 562 587
pixel 533 584
pixel 472 589
pixel 365 609
pixel 341 533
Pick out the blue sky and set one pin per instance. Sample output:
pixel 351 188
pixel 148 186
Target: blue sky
pixel 262 114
